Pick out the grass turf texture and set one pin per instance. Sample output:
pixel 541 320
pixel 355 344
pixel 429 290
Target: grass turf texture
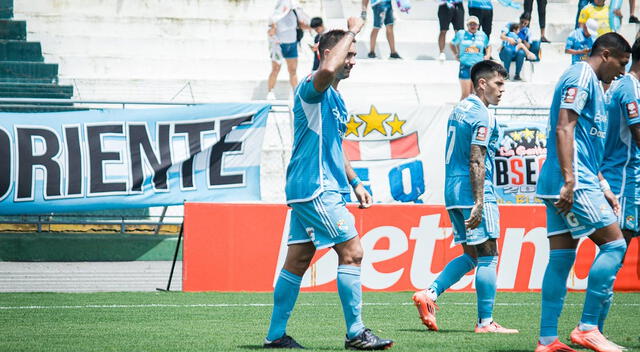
pixel 238 321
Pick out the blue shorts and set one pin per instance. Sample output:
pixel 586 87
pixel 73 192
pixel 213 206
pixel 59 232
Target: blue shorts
pixel 382 13
pixel 630 210
pixel 590 212
pixel 325 221
pixel 489 226
pixel 289 50
pixel 465 72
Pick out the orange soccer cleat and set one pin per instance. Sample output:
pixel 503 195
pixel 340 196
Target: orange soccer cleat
pixel 555 346
pixel 495 328
pixel 427 309
pixel 594 340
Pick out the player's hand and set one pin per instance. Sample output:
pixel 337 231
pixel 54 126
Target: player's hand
pixel 511 41
pixel 475 218
pixel 355 24
pixel 363 196
pixel 613 201
pixel 618 13
pixel 565 202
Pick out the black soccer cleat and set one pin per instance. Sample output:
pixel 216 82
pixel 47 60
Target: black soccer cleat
pixel 285 341
pixel 367 341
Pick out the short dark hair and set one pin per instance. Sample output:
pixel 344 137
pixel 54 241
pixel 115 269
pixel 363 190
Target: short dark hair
pixel 525 16
pixel 612 41
pixel 486 69
pixel 513 26
pixel 635 50
pixel 330 39
pixel 315 22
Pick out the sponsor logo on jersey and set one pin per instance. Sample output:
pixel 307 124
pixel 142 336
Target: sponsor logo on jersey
pixel 570 95
pixel 632 109
pixel 481 134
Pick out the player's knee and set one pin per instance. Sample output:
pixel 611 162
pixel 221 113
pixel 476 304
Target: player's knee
pixel 487 248
pixel 352 256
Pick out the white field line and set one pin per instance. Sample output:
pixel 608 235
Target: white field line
pixel 221 305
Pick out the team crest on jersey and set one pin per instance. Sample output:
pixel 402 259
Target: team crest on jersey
pixel 632 109
pixel 341 225
pixel 630 219
pixel 481 134
pixel 570 95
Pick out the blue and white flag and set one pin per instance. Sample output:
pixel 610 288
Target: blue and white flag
pixel 108 159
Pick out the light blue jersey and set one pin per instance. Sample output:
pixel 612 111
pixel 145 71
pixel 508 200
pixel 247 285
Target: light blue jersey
pixel 470 123
pixel 579 90
pixel 578 41
pixel 621 165
pixel 481 4
pixel 471 46
pixel 376 2
pixel 317 160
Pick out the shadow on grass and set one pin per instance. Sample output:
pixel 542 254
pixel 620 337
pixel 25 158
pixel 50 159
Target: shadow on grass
pixel 448 331
pixel 259 347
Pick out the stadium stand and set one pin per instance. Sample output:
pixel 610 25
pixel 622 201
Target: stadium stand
pixel 23 70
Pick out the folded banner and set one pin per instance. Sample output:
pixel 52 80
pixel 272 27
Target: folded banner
pixel 108 159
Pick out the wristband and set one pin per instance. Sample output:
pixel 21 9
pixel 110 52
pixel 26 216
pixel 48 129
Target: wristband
pixel 604 185
pixel 352 33
pixel 355 182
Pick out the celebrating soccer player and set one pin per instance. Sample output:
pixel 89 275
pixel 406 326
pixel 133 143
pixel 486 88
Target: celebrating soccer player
pixel 578 203
pixel 318 177
pixel 472 142
pixel 621 165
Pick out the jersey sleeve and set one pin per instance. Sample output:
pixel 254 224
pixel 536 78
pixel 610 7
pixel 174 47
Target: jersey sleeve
pixel 480 133
pixel 458 37
pixel 585 13
pixel 308 92
pixel 575 91
pixel 570 42
pixel 629 105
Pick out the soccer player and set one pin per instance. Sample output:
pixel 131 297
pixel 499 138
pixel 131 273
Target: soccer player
pixel 318 177
pixel 621 165
pixel 472 141
pixel 578 204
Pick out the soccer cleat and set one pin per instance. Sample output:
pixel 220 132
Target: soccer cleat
pixel 555 346
pixel 285 341
pixel 367 341
pixel 494 327
pixel 594 340
pixel 426 309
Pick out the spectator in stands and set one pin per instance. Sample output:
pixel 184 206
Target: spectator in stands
pixel 382 14
pixel 317 25
pixel 470 46
pixel 542 14
pixel 599 12
pixel 516 42
pixel 284 24
pixel 483 9
pixel 580 41
pixel 449 12
pixel 632 11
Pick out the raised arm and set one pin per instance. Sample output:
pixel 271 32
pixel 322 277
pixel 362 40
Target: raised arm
pixel 334 58
pixel 565 129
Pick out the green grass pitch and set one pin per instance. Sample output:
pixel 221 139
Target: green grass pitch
pixel 178 321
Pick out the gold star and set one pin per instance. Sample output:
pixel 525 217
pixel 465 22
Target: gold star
pixel 396 125
pixel 352 127
pixel 541 135
pixel 517 136
pixel 374 121
pixel 528 134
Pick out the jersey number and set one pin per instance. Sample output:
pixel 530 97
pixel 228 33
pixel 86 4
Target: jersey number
pixel 451 136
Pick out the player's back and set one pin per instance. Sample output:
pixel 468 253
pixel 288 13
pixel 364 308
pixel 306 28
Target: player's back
pixel 579 90
pixel 470 123
pixel 621 164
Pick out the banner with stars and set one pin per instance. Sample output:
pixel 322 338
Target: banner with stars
pixel 398 153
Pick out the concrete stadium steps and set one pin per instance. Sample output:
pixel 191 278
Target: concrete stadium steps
pixel 531 93
pixel 18 50
pixel 178 9
pixel 13 30
pixel 88 276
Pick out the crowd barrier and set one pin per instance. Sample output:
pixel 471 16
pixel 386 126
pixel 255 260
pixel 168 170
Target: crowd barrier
pixel 241 247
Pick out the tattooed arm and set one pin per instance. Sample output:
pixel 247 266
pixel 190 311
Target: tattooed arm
pixel 476 173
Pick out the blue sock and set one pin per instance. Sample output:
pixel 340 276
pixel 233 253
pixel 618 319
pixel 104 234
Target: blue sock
pixel 486 285
pixel 601 276
pixel 453 272
pixel 350 292
pixel 554 289
pixel 605 311
pixel 284 298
